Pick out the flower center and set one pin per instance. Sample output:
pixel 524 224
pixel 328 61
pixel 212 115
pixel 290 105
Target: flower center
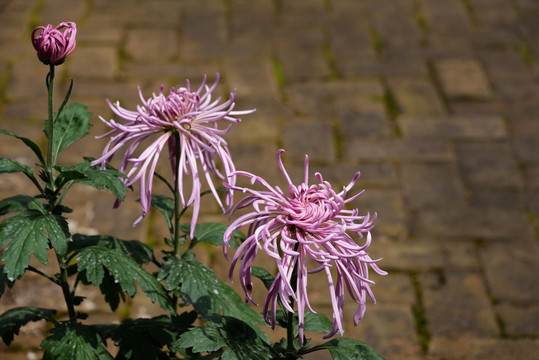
pixel 179 106
pixel 312 207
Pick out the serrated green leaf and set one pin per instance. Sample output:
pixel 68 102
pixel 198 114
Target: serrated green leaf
pixel 13 166
pixel 139 251
pixel 145 339
pixel 202 339
pixel 70 125
pixel 345 349
pixel 238 340
pixel 125 270
pixel 33 146
pixel 74 342
pixel 28 233
pixel 13 319
pixel 208 295
pixel 19 203
pixel 165 205
pixel 84 173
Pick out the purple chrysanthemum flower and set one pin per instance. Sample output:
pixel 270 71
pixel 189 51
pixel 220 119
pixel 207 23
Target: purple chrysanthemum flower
pixel 194 117
pixel 309 225
pixel 54 44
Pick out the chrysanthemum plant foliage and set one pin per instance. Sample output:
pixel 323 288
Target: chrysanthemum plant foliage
pixel 205 318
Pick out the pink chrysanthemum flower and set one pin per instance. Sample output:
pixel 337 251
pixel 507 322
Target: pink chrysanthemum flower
pixel 54 44
pixel 309 225
pixel 194 116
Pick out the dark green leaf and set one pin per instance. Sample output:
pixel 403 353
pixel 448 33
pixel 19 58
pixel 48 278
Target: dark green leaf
pixel 145 339
pixel 212 233
pixel 13 319
pixel 209 295
pixel 238 339
pixel 317 322
pixel 4 280
pixel 94 259
pixel 345 349
pixel 263 275
pixel 84 173
pixel 139 251
pixel 165 205
pixel 70 125
pixel 13 166
pixel 19 203
pixel 30 232
pixel 33 146
pixel 74 342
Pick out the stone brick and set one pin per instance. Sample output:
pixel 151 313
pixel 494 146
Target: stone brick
pixel 372 175
pixel 365 118
pixel 416 96
pixel 447 19
pixel 519 320
pixel 454 127
pixel 463 79
pixel 149 45
pixel 388 204
pixel 301 52
pixel 389 329
pixel 400 149
pixel 476 163
pixel 312 137
pixel 520 284
pixel 425 254
pixel 496 198
pixel 431 186
pixel 467 348
pixel 94 62
pixel 457 304
pixel 472 223
pixel 525 133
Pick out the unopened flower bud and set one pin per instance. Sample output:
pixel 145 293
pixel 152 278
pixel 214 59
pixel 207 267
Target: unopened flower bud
pixel 54 44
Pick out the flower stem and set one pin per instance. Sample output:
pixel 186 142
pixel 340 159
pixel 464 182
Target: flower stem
pixel 177 213
pixel 65 290
pixel 50 129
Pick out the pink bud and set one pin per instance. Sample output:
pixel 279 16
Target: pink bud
pixel 54 44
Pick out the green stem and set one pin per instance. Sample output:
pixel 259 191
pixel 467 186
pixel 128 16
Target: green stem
pixel 37 271
pixel 50 129
pixel 290 349
pixel 177 213
pixel 65 290
pixel 290 332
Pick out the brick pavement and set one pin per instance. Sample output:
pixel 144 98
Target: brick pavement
pixel 435 101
